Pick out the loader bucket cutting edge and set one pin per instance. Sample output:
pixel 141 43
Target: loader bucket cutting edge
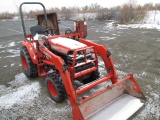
pixel 119 101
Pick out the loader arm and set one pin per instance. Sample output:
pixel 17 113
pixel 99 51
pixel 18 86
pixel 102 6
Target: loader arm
pixel 117 94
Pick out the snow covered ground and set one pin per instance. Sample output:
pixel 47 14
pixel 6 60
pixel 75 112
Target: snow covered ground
pixel 151 21
pixel 23 99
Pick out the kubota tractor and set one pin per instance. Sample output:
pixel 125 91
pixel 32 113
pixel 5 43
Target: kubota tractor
pixel 70 64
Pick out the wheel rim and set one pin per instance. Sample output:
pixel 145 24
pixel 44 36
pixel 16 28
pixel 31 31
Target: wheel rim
pixel 24 62
pixel 52 89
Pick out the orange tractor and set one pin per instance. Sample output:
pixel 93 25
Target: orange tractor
pixel 70 64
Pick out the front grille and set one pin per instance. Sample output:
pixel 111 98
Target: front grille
pixel 84 67
pixel 79 59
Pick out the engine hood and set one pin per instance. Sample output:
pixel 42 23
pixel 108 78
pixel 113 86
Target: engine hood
pixel 65 44
pixel 68 43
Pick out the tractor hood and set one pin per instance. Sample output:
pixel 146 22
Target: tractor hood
pixel 65 44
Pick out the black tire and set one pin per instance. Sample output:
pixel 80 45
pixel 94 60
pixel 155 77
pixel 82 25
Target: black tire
pixel 30 69
pixel 55 87
pixel 68 31
pixel 94 76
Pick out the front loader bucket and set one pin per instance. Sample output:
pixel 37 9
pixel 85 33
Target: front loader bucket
pixel 116 102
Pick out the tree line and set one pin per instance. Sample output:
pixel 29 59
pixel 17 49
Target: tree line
pixel 127 13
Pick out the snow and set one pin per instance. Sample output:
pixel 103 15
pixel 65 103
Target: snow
pixel 5 66
pixel 12 64
pixel 151 21
pixel 152 17
pixel 107 38
pixel 24 98
pixel 20 79
pixel 157 80
pixel 14 52
pixel 22 95
pixel 11 44
pixel 2 51
pixel 69 43
pixel 1 46
pixel 146 26
pixel 152 105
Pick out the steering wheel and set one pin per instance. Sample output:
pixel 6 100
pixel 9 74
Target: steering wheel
pixel 52 30
pixel 68 31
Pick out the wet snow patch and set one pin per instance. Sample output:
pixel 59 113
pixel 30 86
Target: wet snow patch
pixel 5 66
pixel 158 40
pixel 152 106
pixel 12 64
pixel 157 80
pixel 141 75
pixel 11 44
pixel 2 51
pixel 20 79
pixel 14 53
pixel 19 92
pixel 22 95
pixel 107 38
pixel 23 99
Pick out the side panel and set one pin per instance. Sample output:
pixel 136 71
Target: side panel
pixel 31 50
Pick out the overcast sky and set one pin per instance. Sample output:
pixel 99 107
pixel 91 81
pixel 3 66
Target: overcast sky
pixel 11 5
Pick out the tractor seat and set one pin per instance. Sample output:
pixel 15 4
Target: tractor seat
pixel 37 29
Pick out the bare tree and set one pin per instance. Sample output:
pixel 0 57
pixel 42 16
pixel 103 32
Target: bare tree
pixel 149 6
pixel 6 15
pixel 94 7
pixel 85 9
pixel 157 6
pixel 102 14
pixel 66 13
pixel 127 13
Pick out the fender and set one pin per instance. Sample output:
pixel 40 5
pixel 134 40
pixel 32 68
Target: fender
pixel 31 50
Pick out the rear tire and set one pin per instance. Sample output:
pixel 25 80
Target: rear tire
pixel 56 88
pixel 30 69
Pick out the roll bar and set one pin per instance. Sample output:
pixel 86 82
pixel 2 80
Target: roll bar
pixel 21 14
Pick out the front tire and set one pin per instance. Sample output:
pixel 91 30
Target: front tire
pixel 30 69
pixel 55 87
pixel 94 76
